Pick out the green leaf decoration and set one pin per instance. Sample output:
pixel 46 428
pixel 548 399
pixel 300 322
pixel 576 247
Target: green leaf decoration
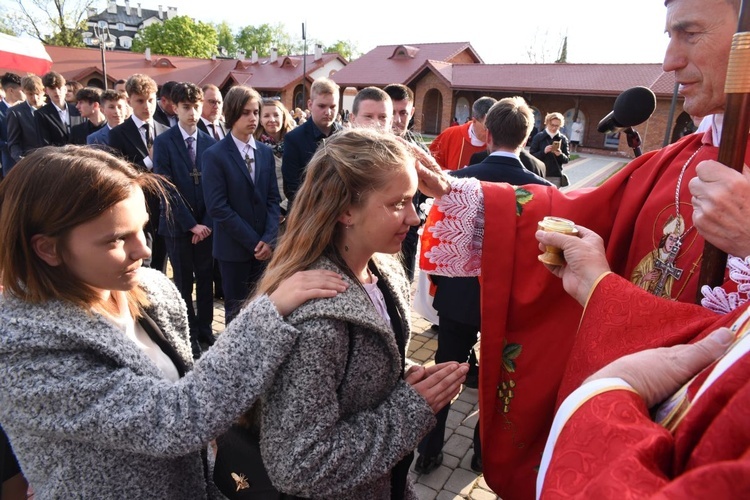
pixel 510 353
pixel 522 197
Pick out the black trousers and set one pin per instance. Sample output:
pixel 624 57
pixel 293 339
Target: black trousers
pixel 239 280
pixel 455 342
pixel 194 264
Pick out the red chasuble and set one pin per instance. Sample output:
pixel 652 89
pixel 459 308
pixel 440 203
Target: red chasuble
pixel 529 323
pixel 610 447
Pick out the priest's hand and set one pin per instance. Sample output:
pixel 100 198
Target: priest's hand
pixel 585 260
pixel 721 206
pixel 432 180
pixel 656 374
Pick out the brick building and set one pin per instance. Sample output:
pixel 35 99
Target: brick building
pixel 274 76
pixel 448 77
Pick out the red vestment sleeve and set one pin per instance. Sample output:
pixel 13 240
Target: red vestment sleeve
pixel 609 448
pixel 621 319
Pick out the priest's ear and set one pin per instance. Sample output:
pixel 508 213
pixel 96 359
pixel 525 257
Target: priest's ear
pixel 46 248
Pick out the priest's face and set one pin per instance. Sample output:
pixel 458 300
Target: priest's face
pixel 700 34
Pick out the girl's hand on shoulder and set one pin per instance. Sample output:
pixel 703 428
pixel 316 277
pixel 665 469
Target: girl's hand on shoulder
pixel 305 285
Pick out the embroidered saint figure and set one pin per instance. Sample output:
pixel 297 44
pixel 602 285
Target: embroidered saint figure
pixel 656 272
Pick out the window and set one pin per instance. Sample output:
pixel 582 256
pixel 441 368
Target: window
pixel 120 27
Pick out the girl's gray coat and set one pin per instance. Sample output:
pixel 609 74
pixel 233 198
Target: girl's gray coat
pixel 90 416
pixel 339 417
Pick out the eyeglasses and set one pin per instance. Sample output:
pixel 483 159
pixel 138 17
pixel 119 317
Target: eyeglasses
pixel 214 102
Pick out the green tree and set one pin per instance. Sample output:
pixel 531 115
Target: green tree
pixel 563 52
pixel 226 38
pixel 264 37
pixel 259 38
pixel 178 36
pixel 56 22
pixel 348 50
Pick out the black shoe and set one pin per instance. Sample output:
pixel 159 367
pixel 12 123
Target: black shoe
pixel 197 351
pixel 426 464
pixel 472 380
pixel 476 463
pixel 435 328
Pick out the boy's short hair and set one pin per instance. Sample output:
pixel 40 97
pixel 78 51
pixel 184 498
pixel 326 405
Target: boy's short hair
pixel 90 95
pixel 10 80
pixel 53 80
pixel 369 94
pixel 140 84
pixel 235 102
pixel 113 95
pixel 399 92
pixel 186 92
pixel 322 86
pixel 509 122
pixel 33 84
pixel 166 90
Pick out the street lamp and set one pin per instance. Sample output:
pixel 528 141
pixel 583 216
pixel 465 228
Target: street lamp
pixel 105 40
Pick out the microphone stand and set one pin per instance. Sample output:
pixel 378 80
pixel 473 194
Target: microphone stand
pixel 634 140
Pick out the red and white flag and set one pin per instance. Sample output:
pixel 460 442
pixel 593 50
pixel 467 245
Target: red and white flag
pixel 23 55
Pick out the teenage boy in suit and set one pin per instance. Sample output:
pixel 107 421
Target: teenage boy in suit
pixel 56 118
pixel 11 84
pixel 115 108
pixel 177 156
pixel 88 103
pixel 23 136
pixel 508 123
pixel 134 139
pixel 242 197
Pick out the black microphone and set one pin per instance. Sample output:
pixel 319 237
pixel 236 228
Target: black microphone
pixel 632 107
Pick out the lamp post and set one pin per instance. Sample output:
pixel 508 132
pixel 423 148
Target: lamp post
pixel 105 40
pixel 304 67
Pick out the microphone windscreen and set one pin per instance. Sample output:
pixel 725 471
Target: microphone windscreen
pixel 634 106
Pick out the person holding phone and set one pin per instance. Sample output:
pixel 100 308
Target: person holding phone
pixel 551 146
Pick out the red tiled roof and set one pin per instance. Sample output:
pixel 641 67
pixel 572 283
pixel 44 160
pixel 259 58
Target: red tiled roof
pixel 598 79
pixel 382 65
pixel 75 63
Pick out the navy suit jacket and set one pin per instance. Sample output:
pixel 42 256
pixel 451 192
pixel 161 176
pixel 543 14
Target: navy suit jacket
pixel 458 298
pixel 101 136
pixel 126 138
pixel 23 135
pixel 244 212
pixel 187 205
pixel 52 131
pixel 5 157
pixel 501 169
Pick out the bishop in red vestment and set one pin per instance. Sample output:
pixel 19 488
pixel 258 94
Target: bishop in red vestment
pixel 645 216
